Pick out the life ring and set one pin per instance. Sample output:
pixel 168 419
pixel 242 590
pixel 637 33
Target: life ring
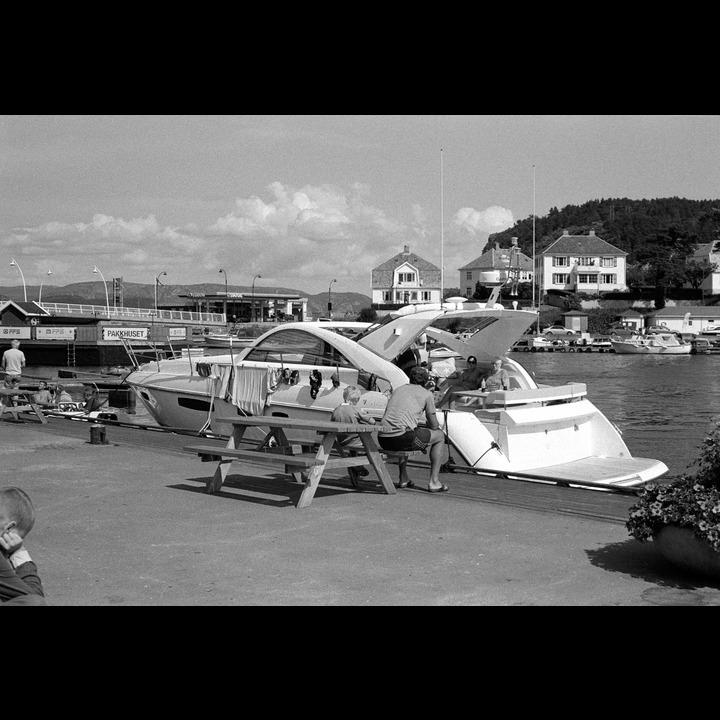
pixel 34 321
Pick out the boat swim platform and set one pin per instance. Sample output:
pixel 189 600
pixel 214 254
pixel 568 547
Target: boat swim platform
pixel 515 491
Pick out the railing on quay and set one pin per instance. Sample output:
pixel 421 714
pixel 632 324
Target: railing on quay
pixel 123 313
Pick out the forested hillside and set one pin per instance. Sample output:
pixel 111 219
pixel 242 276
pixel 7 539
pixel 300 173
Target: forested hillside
pixel 635 226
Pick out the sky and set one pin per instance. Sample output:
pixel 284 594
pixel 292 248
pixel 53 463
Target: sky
pixel 302 200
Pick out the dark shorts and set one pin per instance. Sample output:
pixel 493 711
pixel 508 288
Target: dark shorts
pixel 417 439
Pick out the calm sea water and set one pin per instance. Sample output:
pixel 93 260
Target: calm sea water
pixel 662 405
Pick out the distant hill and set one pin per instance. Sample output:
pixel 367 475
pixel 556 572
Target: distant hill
pixel 138 295
pixel 630 225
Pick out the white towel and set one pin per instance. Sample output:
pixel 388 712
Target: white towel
pixel 249 390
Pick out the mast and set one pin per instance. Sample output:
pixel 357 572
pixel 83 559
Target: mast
pixel 533 245
pixel 442 232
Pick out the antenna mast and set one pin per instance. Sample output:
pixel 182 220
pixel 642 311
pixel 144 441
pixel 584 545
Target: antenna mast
pixel 534 262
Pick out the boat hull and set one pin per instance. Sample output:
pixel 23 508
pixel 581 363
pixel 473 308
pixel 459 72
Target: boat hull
pixel 629 348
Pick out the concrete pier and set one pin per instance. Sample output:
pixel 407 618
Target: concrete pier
pixel 129 523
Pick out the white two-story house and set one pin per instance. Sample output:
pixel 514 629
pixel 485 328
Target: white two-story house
pixel 582 264
pixel 405 279
pixel 505 260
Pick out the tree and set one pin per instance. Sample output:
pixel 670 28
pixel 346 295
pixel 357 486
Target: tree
pixel 696 272
pixel 367 314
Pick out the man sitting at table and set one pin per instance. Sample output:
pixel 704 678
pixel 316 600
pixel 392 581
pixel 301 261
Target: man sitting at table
pixel 348 412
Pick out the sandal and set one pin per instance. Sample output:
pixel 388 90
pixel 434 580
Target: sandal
pixel 408 484
pixel 442 488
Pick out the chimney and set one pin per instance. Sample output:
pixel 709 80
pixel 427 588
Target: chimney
pixel 565 232
pixel 406 250
pixel 592 233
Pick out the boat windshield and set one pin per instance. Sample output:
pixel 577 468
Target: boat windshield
pixel 297 346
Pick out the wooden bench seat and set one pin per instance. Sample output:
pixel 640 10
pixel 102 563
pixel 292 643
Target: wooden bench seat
pixel 210 453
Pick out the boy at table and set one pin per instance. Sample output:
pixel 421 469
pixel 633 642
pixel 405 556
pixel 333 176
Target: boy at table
pixel 349 412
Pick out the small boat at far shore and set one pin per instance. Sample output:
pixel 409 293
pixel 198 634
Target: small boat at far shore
pixel 228 340
pixel 655 344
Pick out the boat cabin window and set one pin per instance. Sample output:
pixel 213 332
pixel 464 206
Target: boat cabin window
pixel 297 346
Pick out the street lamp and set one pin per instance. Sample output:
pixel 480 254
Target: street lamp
pixel 14 264
pixel 157 282
pixel 226 291
pixel 49 272
pixel 329 301
pixel 107 298
pixel 253 296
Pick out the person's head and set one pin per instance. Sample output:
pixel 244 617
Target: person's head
pixel 471 361
pixel 16 511
pixel 351 394
pixel 418 375
pixel 88 393
pixel 15 344
pixel 42 385
pixel 497 363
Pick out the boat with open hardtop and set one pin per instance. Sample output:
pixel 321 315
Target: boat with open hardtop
pixel 656 343
pixel 531 431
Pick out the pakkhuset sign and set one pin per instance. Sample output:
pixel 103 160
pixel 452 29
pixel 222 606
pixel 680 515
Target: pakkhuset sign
pixel 113 333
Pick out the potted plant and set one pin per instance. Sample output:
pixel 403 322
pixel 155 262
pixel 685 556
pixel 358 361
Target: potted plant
pixel 683 517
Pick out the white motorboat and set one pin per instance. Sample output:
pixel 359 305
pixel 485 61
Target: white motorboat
pixel 657 343
pixel 537 432
pixel 228 340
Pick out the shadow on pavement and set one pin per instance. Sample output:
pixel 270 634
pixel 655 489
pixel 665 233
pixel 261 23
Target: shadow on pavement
pixel 675 586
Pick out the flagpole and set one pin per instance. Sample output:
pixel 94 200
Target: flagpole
pixel 442 232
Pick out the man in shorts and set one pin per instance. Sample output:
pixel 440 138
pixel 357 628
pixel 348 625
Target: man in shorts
pixel 404 410
pixel 13 361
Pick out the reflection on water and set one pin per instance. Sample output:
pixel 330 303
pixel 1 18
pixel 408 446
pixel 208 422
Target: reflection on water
pixel 662 405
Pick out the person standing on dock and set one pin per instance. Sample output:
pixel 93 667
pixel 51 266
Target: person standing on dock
pixel 13 361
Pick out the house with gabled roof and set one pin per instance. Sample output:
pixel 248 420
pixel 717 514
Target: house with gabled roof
pixel 582 263
pixel 710 252
pixel 495 260
pixel 404 279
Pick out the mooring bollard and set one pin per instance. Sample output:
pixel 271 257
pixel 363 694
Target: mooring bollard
pixel 97 435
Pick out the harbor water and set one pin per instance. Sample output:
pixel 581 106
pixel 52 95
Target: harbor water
pixel 662 405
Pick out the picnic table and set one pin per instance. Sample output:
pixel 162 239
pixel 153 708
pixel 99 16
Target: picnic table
pixel 26 404
pixel 307 467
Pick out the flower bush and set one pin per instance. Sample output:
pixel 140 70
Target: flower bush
pixel 693 500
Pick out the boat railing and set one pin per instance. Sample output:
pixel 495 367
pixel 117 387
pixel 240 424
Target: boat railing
pixel 120 313
pixel 572 392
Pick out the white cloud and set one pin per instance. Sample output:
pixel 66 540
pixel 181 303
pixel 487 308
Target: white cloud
pixel 294 237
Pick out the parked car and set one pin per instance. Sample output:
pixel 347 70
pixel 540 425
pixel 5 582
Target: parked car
pixel 622 330
pixel 539 344
pixel 558 330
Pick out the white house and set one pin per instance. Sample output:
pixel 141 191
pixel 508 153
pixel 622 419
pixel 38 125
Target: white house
pixel 711 253
pixel 495 259
pixel 404 279
pixel 582 263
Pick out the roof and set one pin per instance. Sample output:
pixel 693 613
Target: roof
pixel 493 259
pixel 26 308
pixel 696 311
pixel 406 257
pixel 582 245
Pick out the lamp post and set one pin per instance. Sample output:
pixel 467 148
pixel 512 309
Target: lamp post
pixel 157 282
pixel 107 298
pixel 14 264
pixel 329 301
pixel 49 272
pixel 226 291
pixel 253 300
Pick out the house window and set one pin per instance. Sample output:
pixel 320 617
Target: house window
pixel 608 279
pixel 468 274
pixel 560 278
pixel 587 279
pixel 468 292
pixel 386 296
pixel 425 295
pixel 586 261
pixel 608 262
pixel 561 261
pixel 406 277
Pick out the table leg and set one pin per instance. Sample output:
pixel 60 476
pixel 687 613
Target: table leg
pixel 313 477
pixel 373 453
pixel 217 480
